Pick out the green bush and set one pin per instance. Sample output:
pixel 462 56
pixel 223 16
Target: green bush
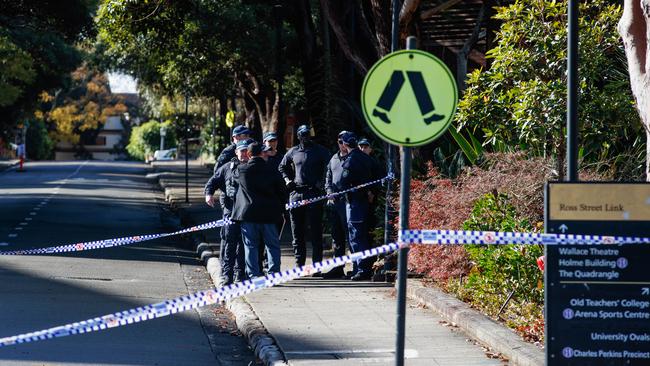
pixel 145 139
pixel 500 271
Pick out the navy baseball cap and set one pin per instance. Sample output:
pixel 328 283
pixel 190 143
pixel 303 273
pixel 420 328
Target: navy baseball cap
pixel 243 144
pixel 240 130
pixel 270 136
pixel 349 138
pixel 304 130
pixel 342 133
pixel 364 141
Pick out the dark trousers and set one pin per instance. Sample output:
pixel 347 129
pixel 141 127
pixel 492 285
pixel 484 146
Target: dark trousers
pixel 300 217
pixel 339 222
pixel 231 254
pixel 357 213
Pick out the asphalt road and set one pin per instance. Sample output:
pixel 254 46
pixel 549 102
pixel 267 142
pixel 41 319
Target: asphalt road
pixel 57 203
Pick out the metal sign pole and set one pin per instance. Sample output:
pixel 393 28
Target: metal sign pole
pixel 405 187
pixel 572 91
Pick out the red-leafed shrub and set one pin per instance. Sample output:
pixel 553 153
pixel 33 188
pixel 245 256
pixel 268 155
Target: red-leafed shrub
pixel 440 203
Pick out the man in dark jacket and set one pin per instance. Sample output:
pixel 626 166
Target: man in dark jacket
pixel 231 252
pixel 336 205
pixel 303 169
pixel 258 206
pixel 357 169
pixel 239 133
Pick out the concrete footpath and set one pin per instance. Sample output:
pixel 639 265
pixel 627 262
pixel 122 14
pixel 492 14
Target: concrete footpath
pixel 313 321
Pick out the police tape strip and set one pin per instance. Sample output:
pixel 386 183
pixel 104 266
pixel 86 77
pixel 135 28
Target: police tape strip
pixel 192 301
pixel 459 237
pixel 308 201
pixel 108 243
pixel 202 298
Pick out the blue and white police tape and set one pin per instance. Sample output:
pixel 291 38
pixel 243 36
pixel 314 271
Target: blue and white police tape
pixel 192 301
pixel 108 243
pixel 459 237
pixel 308 201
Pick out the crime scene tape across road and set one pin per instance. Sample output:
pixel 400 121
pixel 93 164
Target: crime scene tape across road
pixel 192 301
pixel 459 237
pixel 407 237
pixel 308 201
pixel 108 243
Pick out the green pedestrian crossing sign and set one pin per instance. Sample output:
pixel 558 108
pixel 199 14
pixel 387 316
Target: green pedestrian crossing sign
pixel 409 98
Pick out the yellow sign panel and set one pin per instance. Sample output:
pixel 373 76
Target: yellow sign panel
pixel 599 202
pixel 409 98
pixel 230 119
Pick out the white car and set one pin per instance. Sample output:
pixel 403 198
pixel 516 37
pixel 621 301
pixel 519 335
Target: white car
pixel 159 155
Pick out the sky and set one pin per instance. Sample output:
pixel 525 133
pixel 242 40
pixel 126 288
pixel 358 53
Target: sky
pixel 122 83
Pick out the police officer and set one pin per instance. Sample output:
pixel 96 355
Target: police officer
pixel 357 170
pixel 303 169
pixel 336 205
pixel 270 150
pixel 378 172
pixel 231 252
pixel 239 133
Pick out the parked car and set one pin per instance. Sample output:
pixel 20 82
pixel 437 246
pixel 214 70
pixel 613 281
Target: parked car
pixel 161 155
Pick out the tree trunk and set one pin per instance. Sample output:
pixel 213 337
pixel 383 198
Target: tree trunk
pixel 634 28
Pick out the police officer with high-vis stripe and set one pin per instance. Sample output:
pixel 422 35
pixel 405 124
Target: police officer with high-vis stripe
pixel 231 252
pixel 357 170
pixel 303 169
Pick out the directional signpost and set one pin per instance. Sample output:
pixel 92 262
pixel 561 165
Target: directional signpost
pixel 408 99
pixel 598 297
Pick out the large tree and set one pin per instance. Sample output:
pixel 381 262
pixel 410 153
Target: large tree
pixel 37 51
pixel 634 28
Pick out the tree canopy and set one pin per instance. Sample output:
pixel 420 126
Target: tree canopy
pixel 37 51
pixel 520 102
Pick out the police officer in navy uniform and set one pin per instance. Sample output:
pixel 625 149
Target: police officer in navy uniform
pixel 239 133
pixel 336 205
pixel 303 169
pixel 374 191
pixel 231 252
pixel 270 150
pixel 357 169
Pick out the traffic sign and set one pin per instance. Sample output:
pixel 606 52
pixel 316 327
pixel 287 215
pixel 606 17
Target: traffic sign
pixel 409 98
pixel 230 119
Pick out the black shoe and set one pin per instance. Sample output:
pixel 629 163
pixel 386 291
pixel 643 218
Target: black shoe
pixel 361 277
pixel 336 273
pixel 317 274
pixel 433 118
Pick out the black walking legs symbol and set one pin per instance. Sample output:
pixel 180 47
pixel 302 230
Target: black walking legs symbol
pixel 389 96
pixel 392 89
pixel 422 96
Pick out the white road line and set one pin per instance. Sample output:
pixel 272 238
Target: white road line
pixel 33 214
pixel 23 224
pixel 36 208
pixel 13 235
pixel 28 219
pixel 18 228
pixel 4 244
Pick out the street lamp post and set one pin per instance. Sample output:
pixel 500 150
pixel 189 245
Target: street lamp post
pixel 187 169
pixel 163 133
